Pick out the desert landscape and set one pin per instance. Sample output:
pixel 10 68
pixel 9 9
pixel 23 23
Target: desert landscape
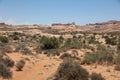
pixel 60 51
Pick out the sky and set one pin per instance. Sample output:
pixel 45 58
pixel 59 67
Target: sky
pixel 58 11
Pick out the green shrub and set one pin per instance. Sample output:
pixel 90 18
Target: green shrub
pixel 48 43
pixel 92 39
pixel 117 59
pixel 90 58
pixel 8 62
pixel 101 56
pixel 20 64
pixel 111 41
pixel 118 47
pixel 61 39
pixel 20 47
pixel 95 76
pixel 15 37
pixel 5 72
pixel 105 54
pixel 4 39
pixel 73 43
pixel 71 70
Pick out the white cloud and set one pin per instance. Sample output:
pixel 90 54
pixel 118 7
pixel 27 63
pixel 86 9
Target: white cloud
pixel 13 22
pixel 10 21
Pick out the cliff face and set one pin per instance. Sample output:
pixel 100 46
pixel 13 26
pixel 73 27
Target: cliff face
pixel 106 23
pixel 66 25
pixel 104 27
pixel 3 24
pixel 110 26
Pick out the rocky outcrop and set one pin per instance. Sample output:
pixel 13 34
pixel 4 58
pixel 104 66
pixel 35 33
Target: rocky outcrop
pixel 2 24
pixel 106 23
pixel 66 25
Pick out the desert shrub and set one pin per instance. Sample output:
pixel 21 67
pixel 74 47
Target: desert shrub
pixel 90 58
pixel 4 39
pixel 117 67
pixel 118 47
pixel 2 53
pixel 68 43
pixel 15 37
pixel 61 38
pixel 26 51
pixel 92 39
pixel 38 49
pixel 73 43
pixel 20 64
pixel 20 47
pixel 71 70
pixel 95 76
pixel 52 52
pixel 5 72
pixel 48 43
pixel 74 36
pixel 111 41
pixel 105 54
pixel 117 59
pixel 101 56
pixel 23 49
pixel 8 62
pixel 65 55
pixel 6 48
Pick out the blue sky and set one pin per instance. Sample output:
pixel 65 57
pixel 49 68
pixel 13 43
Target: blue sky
pixel 58 11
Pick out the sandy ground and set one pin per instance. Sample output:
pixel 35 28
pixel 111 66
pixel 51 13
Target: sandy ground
pixel 41 67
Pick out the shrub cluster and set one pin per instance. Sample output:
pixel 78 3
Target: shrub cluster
pixel 23 49
pixel 5 64
pixel 101 56
pixel 95 76
pixel 49 43
pixel 5 72
pixel 67 55
pixel 71 70
pixel 8 62
pixel 4 39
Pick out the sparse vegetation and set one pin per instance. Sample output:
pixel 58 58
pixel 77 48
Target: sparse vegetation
pixel 48 43
pixel 110 40
pixel 71 70
pixel 74 46
pixel 8 62
pixel 101 56
pixel 95 76
pixel 20 64
pixel 117 67
pixel 5 72
pixel 26 51
pixel 4 39
pixel 65 55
